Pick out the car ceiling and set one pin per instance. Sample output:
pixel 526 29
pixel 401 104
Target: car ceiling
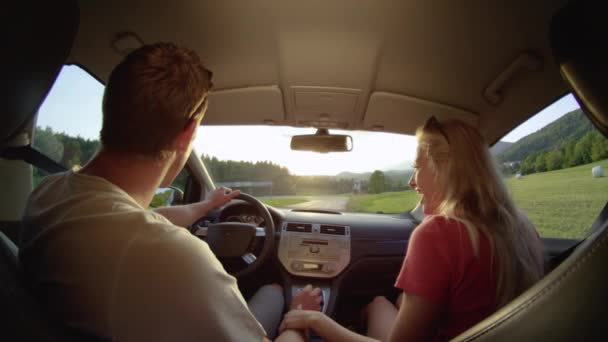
pixel 358 65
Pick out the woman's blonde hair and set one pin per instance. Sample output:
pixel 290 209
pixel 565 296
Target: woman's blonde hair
pixel 475 194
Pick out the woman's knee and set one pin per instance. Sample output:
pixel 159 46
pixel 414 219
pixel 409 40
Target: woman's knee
pixel 379 301
pixel 374 306
pixel 399 300
pixel 381 317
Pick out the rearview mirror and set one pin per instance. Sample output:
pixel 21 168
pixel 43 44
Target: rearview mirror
pixel 322 142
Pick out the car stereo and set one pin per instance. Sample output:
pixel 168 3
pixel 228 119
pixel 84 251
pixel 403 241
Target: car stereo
pixel 314 250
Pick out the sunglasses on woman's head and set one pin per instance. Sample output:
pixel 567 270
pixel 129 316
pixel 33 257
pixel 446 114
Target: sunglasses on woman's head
pixel 433 123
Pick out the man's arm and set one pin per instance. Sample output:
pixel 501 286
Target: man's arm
pixel 289 336
pixel 171 287
pixel 185 215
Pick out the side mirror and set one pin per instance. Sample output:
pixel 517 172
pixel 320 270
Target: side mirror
pixel 166 197
pixel 322 142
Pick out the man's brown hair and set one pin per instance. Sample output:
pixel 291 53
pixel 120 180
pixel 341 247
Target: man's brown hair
pixel 149 98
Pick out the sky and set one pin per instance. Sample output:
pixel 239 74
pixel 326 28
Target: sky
pixel 546 116
pixel 73 106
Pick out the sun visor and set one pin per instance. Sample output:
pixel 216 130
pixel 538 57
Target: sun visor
pixel 403 114
pixel 247 106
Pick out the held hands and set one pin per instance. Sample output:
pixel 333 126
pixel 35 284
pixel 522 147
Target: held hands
pixel 220 196
pixel 302 320
pixel 307 299
pixel 305 310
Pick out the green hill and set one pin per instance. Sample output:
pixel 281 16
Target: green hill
pixel 573 125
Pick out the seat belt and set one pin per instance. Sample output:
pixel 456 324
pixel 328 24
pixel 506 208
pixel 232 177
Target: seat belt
pixel 33 157
pixel 558 259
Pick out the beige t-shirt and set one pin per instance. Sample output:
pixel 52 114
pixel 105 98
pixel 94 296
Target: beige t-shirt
pixel 107 266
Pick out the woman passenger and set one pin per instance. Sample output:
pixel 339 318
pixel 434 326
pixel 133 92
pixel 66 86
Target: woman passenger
pixel 473 252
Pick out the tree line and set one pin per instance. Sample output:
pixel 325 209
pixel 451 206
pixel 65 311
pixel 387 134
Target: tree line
pixel 66 150
pixel 569 141
pixel 590 148
pixel 573 125
pixel 71 151
pixel 380 182
pixel 286 183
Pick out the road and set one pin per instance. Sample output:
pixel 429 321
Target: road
pixel 336 203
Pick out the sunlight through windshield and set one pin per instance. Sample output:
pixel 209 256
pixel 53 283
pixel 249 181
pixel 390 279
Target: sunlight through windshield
pixel 258 160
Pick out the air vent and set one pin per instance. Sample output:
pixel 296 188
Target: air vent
pixel 333 230
pixel 299 227
pixel 318 211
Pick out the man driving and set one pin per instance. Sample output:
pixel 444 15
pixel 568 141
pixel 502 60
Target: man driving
pixel 106 265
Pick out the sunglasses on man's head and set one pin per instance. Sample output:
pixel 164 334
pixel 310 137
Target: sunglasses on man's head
pixel 197 111
pixel 210 78
pixel 200 107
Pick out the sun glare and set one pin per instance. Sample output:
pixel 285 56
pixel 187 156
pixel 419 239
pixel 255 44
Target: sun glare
pixel 371 150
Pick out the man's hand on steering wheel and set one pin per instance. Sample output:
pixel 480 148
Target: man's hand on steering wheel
pixel 230 241
pixel 220 196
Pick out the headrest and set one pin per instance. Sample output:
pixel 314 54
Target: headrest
pixel 578 35
pixel 40 34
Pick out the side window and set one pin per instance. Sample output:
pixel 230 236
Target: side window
pixel 172 195
pixel 555 167
pixel 181 179
pixel 69 120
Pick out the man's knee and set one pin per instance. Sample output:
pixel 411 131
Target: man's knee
pixel 270 293
pixel 277 287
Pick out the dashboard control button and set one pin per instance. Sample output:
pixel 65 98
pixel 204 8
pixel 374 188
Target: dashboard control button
pixel 314 249
pixel 328 268
pixel 296 266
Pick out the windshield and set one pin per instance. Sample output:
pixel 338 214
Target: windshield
pixel 258 160
pixel 553 164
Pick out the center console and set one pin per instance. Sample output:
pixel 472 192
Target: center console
pixel 314 251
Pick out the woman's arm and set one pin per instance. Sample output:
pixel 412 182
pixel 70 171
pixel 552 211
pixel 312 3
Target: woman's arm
pixel 416 320
pixel 324 326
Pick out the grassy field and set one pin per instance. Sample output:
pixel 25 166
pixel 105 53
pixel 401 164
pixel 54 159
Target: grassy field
pixel 562 203
pixel 281 202
pixel 387 202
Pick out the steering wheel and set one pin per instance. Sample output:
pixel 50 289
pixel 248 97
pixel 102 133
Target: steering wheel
pixel 235 239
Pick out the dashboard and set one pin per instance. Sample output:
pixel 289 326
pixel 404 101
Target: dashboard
pixel 314 249
pixel 323 244
pixel 342 253
pixel 242 213
pixel 352 257
pixel 246 218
